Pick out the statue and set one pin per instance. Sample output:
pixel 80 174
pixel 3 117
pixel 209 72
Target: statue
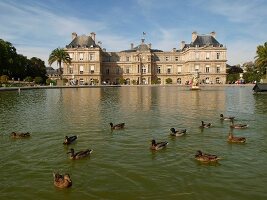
pixel 195 81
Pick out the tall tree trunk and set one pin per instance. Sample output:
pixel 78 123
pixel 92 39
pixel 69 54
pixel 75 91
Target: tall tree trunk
pixel 60 71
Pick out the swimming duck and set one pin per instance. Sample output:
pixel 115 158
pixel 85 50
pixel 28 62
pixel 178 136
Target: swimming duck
pixel 20 135
pixel 69 140
pixel 158 146
pixel 62 181
pixel 80 154
pixel 222 117
pixel 203 125
pixel 117 126
pixel 233 139
pixel 177 132
pixel 238 126
pixel 203 157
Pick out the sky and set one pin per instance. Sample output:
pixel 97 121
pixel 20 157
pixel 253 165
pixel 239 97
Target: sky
pixel 36 27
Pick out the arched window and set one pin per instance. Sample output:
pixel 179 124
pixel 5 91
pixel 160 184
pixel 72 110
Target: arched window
pixel 218 80
pixel 128 82
pixel 179 81
pixel 207 80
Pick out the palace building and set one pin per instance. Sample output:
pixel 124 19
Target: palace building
pixel 144 65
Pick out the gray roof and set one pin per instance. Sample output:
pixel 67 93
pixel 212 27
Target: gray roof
pixel 205 40
pixel 142 47
pixel 82 41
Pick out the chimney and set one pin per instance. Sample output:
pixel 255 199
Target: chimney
pixel 74 35
pixel 182 45
pixel 132 45
pixel 213 34
pixel 93 35
pixel 149 45
pixel 194 36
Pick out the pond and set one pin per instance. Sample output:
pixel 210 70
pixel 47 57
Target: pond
pixel 122 166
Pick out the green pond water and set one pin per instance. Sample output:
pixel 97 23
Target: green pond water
pixel 122 166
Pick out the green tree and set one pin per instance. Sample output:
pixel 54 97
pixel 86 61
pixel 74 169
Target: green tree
pixel 60 56
pixel 261 58
pixel 7 56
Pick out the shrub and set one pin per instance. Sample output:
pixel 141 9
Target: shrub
pixel 28 79
pixel 38 80
pixel 4 79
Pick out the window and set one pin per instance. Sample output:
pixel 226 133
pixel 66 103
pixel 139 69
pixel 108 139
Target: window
pixel 127 58
pixel 197 68
pixel 81 56
pixel 169 69
pixel 197 56
pixel 218 69
pixel 117 70
pixel 207 69
pixel 91 56
pixel 179 81
pixel 81 81
pixel 218 80
pixel 207 80
pixel 107 71
pixel 166 58
pixel 176 58
pixel 158 70
pixel 207 56
pixel 71 70
pixel 143 69
pixel 127 70
pixel 81 69
pixel 179 69
pixel 218 55
pixel 71 55
pixel 92 69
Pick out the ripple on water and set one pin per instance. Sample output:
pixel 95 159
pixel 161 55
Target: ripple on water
pixel 122 166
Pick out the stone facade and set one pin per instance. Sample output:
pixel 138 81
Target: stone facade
pixel 143 65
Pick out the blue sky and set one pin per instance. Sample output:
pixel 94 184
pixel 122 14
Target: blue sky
pixel 36 27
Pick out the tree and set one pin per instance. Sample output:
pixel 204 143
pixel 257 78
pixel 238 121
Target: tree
pixel 59 55
pixel 261 58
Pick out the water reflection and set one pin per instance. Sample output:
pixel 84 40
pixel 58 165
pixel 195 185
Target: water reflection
pixel 122 160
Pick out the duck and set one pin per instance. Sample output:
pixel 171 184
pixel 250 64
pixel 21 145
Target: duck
pixel 80 154
pixel 203 157
pixel 20 135
pixel 234 139
pixel 158 146
pixel 177 132
pixel 222 117
pixel 62 181
pixel 238 126
pixel 69 140
pixel 203 125
pixel 117 126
